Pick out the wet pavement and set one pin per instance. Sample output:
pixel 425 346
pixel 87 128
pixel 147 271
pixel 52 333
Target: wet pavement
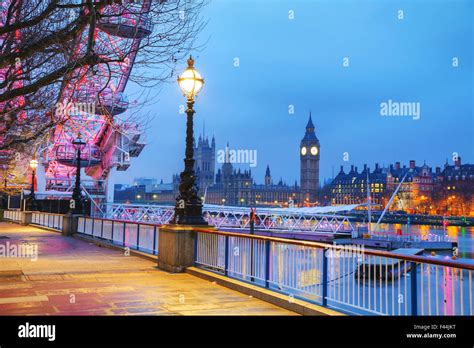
pixel 44 273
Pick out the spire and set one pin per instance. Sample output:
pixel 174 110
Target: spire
pixel 310 125
pixel 310 137
pixel 267 172
pixel 227 154
pixel 268 178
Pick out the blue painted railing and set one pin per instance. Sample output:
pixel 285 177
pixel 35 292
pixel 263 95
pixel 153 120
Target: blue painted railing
pixel 346 278
pixel 139 236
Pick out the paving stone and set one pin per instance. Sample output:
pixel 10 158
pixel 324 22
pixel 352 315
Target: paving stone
pixel 105 282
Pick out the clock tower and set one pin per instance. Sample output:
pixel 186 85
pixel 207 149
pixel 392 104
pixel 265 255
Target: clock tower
pixel 309 164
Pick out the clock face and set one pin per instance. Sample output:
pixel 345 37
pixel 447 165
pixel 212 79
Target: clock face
pixel 314 150
pixel 304 150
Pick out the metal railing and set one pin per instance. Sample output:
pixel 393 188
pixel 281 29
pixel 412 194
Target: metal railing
pixel 135 235
pixel 53 221
pixel 12 215
pixel 347 278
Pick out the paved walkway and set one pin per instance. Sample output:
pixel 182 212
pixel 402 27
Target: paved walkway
pixel 74 277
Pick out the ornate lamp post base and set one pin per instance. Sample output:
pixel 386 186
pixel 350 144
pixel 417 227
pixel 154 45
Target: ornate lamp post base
pixel 191 214
pixel 188 210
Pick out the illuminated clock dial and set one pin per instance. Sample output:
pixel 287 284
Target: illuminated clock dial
pixel 314 150
pixel 304 150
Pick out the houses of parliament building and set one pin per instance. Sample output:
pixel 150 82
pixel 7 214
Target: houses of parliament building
pixel 236 187
pixel 232 186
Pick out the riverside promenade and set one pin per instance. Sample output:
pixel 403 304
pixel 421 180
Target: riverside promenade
pixel 75 277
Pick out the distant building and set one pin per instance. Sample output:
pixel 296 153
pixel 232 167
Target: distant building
pixel 415 191
pixel 147 182
pixel 236 187
pixel 129 194
pixel 144 191
pixel 422 190
pixel 231 186
pixel 205 162
pixel 351 188
pixel 309 164
pixel 455 189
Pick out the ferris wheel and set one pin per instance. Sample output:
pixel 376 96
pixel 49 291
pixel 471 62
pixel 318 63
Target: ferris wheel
pixel 92 100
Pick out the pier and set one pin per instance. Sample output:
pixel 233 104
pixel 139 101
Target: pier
pixel 390 245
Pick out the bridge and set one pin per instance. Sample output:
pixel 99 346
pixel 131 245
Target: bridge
pixel 313 219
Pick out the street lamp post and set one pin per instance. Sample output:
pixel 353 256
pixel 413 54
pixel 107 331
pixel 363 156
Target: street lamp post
pixel 33 166
pixel 5 178
pixel 188 210
pixel 76 206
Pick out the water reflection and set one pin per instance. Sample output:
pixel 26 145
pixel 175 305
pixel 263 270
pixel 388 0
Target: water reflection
pixel 464 236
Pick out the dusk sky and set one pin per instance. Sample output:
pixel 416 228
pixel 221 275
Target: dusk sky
pixel 300 62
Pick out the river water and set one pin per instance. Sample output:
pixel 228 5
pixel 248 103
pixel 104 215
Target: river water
pixel 464 236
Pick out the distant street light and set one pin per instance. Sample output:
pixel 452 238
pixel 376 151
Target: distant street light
pixel 77 207
pixel 188 208
pixel 33 166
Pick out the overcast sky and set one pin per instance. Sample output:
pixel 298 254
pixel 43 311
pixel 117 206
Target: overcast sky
pixel 294 54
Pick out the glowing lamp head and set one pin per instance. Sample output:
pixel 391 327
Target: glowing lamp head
pixel 78 143
pixel 190 81
pixel 33 163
